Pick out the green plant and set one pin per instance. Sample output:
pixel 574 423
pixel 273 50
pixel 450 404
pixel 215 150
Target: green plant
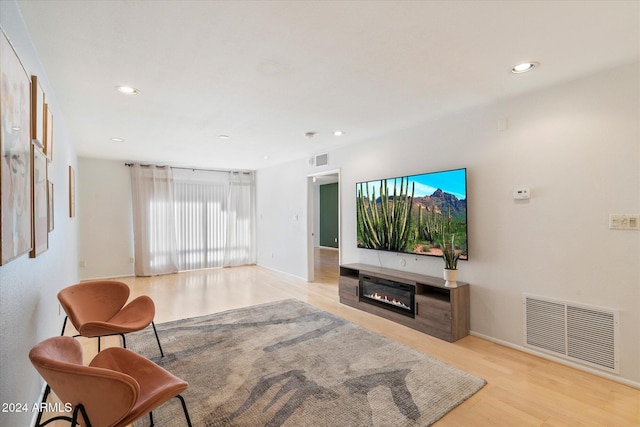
pixel 387 226
pixel 431 226
pixel 449 253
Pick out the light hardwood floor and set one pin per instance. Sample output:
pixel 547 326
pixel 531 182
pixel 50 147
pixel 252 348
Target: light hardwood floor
pixel 521 390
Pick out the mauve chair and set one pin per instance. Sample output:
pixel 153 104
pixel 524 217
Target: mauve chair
pixel 115 389
pixel 97 308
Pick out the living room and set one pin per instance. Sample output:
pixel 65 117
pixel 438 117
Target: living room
pixel 573 143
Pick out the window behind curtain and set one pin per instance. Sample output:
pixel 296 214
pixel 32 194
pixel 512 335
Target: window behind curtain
pixel 214 219
pixel 240 247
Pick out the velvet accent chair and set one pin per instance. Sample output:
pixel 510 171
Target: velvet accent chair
pixel 115 389
pixel 97 308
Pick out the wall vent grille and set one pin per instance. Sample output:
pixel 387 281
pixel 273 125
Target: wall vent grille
pixel 577 332
pixel 321 160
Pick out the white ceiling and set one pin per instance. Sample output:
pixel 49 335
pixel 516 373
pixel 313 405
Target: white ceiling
pixel 266 72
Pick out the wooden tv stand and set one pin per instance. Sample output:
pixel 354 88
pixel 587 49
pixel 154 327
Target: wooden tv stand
pixel 441 311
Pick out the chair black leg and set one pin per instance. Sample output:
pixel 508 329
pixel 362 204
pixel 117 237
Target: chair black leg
pixel 38 423
pixel 74 420
pixel 98 344
pixel 64 325
pixel 186 412
pixel 157 339
pixel 184 408
pixel 124 341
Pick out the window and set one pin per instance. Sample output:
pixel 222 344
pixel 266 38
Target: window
pixel 191 219
pixel 214 218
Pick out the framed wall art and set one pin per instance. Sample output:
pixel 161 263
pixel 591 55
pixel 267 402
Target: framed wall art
pixel 50 206
pixel 39 200
pixel 37 112
pixel 72 192
pixel 48 133
pixel 15 150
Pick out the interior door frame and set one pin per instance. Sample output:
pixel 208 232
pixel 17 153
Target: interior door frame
pixel 311 218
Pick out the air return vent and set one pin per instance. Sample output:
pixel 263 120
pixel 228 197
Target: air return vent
pixel 321 160
pixel 576 332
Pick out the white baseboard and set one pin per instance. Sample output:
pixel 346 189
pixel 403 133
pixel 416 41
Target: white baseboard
pixel 281 272
pixel 107 277
pixel 34 415
pixel 606 375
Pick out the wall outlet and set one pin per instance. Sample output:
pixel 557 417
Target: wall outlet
pixel 132 260
pixel 83 264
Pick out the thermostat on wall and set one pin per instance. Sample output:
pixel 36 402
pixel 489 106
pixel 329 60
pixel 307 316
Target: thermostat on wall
pixel 521 193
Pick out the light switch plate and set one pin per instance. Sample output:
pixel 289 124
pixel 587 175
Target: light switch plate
pixel 624 221
pixel 521 193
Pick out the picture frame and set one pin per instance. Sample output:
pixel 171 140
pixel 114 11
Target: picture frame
pixel 72 192
pixel 37 112
pixel 39 202
pixel 15 154
pixel 48 133
pixel 50 206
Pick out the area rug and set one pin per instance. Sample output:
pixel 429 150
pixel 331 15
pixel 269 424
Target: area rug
pixel 288 363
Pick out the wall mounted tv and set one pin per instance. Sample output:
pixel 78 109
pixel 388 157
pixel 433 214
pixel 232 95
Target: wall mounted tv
pixel 413 214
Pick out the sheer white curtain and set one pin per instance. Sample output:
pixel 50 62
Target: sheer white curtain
pixel 154 223
pixel 201 224
pixel 240 246
pixel 215 222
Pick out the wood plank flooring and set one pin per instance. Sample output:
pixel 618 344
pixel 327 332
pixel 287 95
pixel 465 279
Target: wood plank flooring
pixel 522 389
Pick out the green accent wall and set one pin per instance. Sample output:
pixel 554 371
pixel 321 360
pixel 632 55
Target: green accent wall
pixel 329 215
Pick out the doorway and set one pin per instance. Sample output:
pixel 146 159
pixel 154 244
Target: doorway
pixel 323 234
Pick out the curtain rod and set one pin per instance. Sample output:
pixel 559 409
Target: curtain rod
pixel 192 169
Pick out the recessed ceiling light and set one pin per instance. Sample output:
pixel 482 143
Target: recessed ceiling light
pixel 524 67
pixel 117 139
pixel 127 90
pixel 266 157
pixel 338 133
pixel 223 136
pixel 310 134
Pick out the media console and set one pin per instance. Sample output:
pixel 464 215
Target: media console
pixel 433 308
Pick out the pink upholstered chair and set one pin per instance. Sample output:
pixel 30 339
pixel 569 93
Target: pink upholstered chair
pixel 118 387
pixel 97 308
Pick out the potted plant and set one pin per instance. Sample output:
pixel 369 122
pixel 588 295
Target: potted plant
pixel 450 256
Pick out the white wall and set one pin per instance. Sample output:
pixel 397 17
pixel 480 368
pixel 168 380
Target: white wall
pixel 282 218
pixel 28 287
pixel 106 224
pixel 575 145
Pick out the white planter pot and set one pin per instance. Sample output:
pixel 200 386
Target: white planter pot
pixel 451 278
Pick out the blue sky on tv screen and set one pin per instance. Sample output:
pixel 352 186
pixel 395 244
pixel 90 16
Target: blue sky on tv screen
pixel 453 182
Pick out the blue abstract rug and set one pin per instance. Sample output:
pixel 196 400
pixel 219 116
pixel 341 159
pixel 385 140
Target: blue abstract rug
pixel 288 363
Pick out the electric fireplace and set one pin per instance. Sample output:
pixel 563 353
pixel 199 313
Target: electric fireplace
pixel 388 294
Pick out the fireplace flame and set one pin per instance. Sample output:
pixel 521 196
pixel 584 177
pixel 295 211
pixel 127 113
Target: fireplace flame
pixel 385 298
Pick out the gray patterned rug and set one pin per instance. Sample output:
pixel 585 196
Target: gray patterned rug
pixel 290 364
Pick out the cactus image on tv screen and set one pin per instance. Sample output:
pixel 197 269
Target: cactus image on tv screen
pixel 414 214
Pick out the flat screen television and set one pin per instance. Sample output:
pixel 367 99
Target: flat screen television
pixel 413 214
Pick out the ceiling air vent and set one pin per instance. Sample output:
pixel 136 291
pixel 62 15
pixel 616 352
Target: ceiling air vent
pixel 321 159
